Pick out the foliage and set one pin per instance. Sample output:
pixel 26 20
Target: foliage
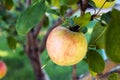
pixel 16 19
pixel 96 64
pixel 112 37
pixel 114 76
pixel 30 17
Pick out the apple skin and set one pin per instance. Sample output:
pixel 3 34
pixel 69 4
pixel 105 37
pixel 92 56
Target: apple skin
pixel 3 69
pixel 99 3
pixel 66 47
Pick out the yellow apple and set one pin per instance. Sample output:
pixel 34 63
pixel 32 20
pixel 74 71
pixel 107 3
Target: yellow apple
pixel 3 69
pixel 99 3
pixel 66 47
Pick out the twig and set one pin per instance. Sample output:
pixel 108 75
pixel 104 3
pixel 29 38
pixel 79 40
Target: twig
pixel 109 65
pixel 59 22
pixel 33 55
pixel 28 2
pixel 83 6
pixel 38 28
pixel 74 73
pixel 80 6
pixel 101 8
pixel 32 52
pixel 105 76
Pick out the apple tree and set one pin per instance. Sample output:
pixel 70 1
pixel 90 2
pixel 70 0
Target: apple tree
pixel 69 39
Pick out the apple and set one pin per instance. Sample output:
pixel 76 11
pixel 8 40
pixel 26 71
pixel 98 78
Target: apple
pixel 99 3
pixel 3 69
pixel 66 47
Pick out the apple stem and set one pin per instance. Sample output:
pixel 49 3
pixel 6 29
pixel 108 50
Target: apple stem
pixel 75 28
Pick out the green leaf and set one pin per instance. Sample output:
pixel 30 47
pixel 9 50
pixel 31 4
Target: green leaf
pixel 113 76
pixel 11 42
pixel 46 61
pixel 91 3
pixel 73 7
pixel 2 9
pixel 46 22
pixel 84 29
pixel 53 11
pixel 69 2
pixel 69 22
pixel 35 1
pixel 112 40
pixel 30 17
pixel 100 43
pixel 63 9
pixel 9 4
pixel 97 36
pixel 49 1
pixel 106 17
pixel 56 3
pixel 95 61
pixel 92 72
pixel 82 20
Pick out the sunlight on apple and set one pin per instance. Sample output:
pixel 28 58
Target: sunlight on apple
pixel 66 47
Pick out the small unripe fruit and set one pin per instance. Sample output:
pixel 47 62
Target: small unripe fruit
pixel 66 47
pixel 99 3
pixel 3 69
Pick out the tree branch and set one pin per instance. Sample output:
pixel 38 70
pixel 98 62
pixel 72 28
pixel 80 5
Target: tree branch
pixel 33 55
pixel 32 52
pixel 28 2
pixel 83 6
pixel 38 28
pixel 59 22
pixel 109 66
pixel 74 72
pixel 106 75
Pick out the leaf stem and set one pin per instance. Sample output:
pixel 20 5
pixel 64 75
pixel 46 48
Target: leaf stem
pixel 101 7
pixel 100 34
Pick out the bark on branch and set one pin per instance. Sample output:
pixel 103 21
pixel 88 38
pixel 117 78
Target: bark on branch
pixel 74 73
pixel 57 23
pixel 83 4
pixel 33 55
pixel 38 28
pixel 109 66
pixel 33 50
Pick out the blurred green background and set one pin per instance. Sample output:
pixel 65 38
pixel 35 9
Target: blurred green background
pixel 19 67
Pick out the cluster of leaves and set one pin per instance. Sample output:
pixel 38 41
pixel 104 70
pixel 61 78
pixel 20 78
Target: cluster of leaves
pixel 38 10
pixel 105 34
pixel 106 37
pixel 8 18
pixel 9 11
